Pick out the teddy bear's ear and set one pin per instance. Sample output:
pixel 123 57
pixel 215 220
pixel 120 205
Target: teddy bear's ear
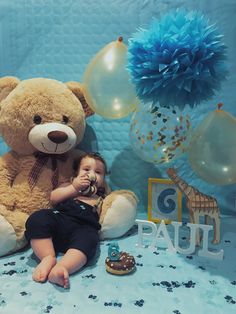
pixel 77 90
pixel 7 84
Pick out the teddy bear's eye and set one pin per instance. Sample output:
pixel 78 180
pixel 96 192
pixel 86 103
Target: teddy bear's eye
pixel 37 119
pixel 65 119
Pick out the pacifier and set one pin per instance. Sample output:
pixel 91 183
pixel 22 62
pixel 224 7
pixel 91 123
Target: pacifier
pixel 91 189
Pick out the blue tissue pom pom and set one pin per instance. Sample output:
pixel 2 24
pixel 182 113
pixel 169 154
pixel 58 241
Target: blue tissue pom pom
pixel 179 60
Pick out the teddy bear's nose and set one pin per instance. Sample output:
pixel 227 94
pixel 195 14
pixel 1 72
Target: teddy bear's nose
pixel 57 137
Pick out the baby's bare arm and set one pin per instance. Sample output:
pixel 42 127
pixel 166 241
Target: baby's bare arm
pixel 69 189
pixel 63 192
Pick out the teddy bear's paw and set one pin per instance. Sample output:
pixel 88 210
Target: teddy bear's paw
pixel 12 227
pixel 119 217
pixel 107 203
pixel 21 241
pixel 8 237
pixel 6 204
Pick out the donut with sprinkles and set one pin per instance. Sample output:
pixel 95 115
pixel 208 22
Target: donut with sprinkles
pixel 122 266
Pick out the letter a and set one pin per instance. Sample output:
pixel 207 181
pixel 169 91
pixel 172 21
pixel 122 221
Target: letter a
pixel 162 229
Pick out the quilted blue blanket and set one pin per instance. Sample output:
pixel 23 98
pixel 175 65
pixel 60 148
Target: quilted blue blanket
pixel 162 282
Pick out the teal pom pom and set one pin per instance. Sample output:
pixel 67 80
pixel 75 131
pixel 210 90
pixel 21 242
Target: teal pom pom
pixel 179 60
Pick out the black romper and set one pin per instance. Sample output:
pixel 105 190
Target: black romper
pixel 70 224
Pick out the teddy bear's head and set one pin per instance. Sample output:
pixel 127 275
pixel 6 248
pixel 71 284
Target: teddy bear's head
pixel 41 114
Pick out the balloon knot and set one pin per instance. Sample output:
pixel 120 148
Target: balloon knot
pixel 219 105
pixel 120 39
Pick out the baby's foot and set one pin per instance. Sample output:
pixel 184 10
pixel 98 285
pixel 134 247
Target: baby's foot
pixel 43 269
pixel 59 275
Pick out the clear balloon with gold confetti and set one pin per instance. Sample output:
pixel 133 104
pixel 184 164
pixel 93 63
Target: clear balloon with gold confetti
pixel 159 134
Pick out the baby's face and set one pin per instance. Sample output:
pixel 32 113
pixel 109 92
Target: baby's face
pixel 93 166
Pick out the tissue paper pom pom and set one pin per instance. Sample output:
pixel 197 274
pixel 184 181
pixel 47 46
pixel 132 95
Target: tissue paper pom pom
pixel 179 60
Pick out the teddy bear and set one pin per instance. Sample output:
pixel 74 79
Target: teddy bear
pixel 42 121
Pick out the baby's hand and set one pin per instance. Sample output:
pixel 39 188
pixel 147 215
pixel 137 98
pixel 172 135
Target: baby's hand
pixel 81 183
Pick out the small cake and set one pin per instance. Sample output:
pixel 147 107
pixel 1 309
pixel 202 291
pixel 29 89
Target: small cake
pixel 119 263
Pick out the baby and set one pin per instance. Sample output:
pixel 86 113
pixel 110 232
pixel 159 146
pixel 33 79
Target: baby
pixel 71 226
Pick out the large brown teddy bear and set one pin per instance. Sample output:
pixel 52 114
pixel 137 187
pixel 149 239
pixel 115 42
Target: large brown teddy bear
pixel 42 120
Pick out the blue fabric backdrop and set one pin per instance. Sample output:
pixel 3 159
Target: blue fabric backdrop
pixel 57 39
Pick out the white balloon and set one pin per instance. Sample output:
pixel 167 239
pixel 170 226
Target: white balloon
pixel 107 86
pixel 212 149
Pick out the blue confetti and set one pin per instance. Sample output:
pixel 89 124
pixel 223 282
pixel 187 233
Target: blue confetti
pixel 229 299
pixel 139 303
pixel 212 282
pixel 89 276
pixel 202 268
pixel 10 264
pixel 189 257
pixel 139 264
pixel 113 304
pixel 171 266
pixel 174 284
pixel 91 296
pixel 48 309
pixel 10 272
pixel 189 284
pixel 23 293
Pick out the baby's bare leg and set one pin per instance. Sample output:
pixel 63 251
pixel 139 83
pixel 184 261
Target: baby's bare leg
pixel 72 261
pixel 44 250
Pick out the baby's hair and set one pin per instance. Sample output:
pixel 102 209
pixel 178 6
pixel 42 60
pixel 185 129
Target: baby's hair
pixel 93 155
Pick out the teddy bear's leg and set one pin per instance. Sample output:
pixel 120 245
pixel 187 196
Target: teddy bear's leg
pixel 118 214
pixel 7 237
pixel 12 226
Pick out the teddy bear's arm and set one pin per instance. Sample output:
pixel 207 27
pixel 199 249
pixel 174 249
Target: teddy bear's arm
pixel 9 165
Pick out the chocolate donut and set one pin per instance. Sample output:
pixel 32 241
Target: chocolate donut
pixel 124 265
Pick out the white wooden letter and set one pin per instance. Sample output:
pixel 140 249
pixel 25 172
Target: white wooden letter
pixel 192 245
pixel 204 252
pixel 141 233
pixel 162 229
